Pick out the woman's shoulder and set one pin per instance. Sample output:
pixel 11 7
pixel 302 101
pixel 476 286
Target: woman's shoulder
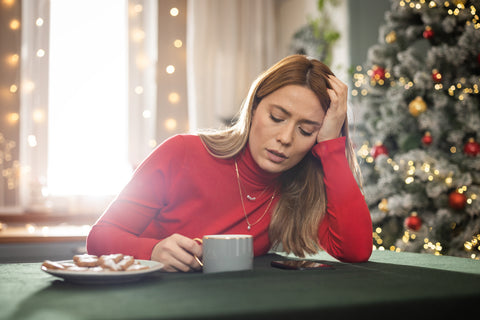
pixel 185 145
pixel 182 141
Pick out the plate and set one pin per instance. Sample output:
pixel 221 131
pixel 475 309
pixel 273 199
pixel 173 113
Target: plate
pixel 105 277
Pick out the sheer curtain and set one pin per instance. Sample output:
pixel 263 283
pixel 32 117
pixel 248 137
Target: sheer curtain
pixel 229 43
pixel 138 95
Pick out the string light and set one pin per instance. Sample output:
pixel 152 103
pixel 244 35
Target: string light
pixel 138 90
pixel 138 8
pixel 177 43
pixel 147 114
pixel 138 35
pixel 14 24
pixel 174 12
pixel 38 116
pixel 40 53
pixel 13 117
pixel 32 140
pixel 13 59
pixel 8 3
pixel 170 124
pixel 170 69
pixel 173 97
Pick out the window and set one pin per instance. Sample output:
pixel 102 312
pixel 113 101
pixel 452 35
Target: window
pixel 88 96
pixel 88 100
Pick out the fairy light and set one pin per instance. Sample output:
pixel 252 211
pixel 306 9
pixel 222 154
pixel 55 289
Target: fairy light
pixel 13 59
pixel 409 180
pixel 8 3
pixel 13 117
pixel 32 140
pixel 173 97
pixel 170 69
pixel 14 24
pixel 38 116
pixel 138 8
pixel 174 12
pixel 138 35
pixel 376 237
pixel 170 124
pixel 152 143
pixel 40 53
pixel 448 181
pixel 138 90
pixel 147 114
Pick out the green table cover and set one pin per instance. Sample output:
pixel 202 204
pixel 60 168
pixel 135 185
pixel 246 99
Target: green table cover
pixel 390 286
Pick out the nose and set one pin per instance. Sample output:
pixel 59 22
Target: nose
pixel 286 135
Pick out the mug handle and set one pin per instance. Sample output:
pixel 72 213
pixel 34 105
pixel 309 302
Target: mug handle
pixel 196 258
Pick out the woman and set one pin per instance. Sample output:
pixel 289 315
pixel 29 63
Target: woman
pixel 284 172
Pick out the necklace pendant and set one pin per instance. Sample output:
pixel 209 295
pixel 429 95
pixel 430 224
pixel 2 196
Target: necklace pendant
pixel 249 197
pixel 249 227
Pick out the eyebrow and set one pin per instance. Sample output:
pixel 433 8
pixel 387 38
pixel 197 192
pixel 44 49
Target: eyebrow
pixel 315 123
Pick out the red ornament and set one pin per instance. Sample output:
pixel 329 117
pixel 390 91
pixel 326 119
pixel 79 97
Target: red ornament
pixel 413 222
pixel 428 33
pixel 478 58
pixel 457 200
pixel 427 139
pixel 378 149
pixel 471 148
pixel 436 76
pixel 378 73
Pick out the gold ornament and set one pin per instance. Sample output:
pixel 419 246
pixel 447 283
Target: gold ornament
pixel 383 205
pixel 417 106
pixel 391 37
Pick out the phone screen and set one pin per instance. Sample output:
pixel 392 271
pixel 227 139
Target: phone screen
pixel 300 265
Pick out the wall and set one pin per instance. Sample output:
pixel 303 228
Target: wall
pixel 294 14
pixel 365 18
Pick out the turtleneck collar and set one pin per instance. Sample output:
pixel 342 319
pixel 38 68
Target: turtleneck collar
pixel 250 171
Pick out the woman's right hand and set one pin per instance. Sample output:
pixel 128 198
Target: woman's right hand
pixel 177 253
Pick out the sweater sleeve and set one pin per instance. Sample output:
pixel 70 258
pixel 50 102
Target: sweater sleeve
pixel 120 227
pixel 346 229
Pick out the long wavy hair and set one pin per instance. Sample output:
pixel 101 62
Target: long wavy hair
pixel 302 205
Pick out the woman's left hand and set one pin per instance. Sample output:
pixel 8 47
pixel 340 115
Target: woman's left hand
pixel 336 114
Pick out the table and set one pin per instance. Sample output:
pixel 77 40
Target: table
pixel 391 286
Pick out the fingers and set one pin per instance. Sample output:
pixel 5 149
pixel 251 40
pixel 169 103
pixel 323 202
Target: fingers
pixel 338 94
pixel 177 253
pixel 336 113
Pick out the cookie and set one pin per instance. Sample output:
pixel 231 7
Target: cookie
pixel 86 260
pixel 126 262
pixel 52 265
pixel 137 267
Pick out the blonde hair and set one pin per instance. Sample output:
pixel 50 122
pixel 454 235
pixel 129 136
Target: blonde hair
pixel 302 204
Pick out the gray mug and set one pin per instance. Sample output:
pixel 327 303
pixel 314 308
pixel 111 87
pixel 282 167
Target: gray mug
pixel 226 252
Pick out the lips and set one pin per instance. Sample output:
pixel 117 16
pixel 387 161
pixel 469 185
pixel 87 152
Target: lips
pixel 276 156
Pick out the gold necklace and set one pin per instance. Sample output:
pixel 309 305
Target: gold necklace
pixel 253 198
pixel 249 225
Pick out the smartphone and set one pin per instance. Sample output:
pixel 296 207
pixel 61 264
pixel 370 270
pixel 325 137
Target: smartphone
pixel 300 265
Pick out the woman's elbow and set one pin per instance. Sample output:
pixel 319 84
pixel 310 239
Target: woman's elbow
pixel 361 254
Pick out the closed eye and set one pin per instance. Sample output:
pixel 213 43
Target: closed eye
pixel 274 119
pixel 305 133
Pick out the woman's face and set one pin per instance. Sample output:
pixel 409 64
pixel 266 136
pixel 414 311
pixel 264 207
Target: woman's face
pixel 284 127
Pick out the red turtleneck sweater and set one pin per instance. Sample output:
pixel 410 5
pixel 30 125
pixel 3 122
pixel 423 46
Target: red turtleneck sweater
pixel 181 188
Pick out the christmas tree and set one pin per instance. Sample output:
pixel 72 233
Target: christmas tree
pixel 418 142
